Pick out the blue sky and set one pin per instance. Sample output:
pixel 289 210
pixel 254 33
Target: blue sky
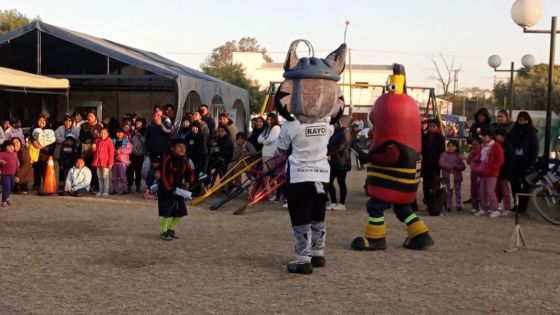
pixel 380 32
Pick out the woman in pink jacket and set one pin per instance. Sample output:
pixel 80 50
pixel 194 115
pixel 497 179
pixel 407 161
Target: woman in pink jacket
pixel 452 165
pixel 103 160
pixel 123 149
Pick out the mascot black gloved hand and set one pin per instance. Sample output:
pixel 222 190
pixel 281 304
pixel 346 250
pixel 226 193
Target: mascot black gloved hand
pixel 394 168
pixel 309 99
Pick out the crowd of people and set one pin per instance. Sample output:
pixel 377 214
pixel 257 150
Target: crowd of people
pixel 111 157
pixel 501 154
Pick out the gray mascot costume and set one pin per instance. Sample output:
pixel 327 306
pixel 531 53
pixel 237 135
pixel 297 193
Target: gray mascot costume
pixel 310 101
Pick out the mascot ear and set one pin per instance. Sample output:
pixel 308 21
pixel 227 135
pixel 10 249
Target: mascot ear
pixel 282 109
pixel 292 58
pixel 337 59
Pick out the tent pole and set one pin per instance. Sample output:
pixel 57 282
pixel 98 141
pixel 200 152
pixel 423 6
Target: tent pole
pixel 38 52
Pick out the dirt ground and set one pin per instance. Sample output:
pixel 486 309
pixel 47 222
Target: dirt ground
pixel 62 255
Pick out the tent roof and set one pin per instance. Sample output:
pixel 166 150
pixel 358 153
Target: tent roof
pixel 140 58
pixel 19 79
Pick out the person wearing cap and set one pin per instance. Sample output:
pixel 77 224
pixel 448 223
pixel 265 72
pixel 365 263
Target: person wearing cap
pixel 227 123
pixel 62 132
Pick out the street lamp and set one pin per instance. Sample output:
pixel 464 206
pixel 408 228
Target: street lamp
pixel 495 61
pixel 527 13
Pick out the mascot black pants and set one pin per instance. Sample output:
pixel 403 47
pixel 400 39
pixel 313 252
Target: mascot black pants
pixel 306 203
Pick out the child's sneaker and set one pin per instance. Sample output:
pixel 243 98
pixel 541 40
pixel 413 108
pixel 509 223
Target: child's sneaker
pixel 331 206
pixel 495 214
pixel 105 194
pixel 114 192
pixel 172 234
pixel 285 205
pixel 98 194
pixel 507 213
pixel 165 236
pixel 459 209
pixel 4 204
pixel 474 210
pixel 339 207
pixel 480 213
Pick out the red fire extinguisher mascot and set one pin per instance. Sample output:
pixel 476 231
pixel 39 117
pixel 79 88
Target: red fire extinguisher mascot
pixel 394 167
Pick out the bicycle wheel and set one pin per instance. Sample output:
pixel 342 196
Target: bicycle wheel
pixel 547 204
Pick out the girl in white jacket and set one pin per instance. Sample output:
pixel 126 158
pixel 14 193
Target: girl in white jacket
pixel 268 139
pixel 78 179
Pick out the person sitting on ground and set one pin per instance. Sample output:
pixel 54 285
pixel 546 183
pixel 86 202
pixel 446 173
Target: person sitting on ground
pixel 78 179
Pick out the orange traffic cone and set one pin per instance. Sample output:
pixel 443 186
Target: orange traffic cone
pixel 49 183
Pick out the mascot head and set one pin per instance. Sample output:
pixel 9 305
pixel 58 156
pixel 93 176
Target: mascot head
pixel 310 91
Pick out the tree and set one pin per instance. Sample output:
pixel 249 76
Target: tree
pixel 222 55
pixel 531 88
pixel 11 20
pixel 530 91
pixel 219 65
pixel 444 75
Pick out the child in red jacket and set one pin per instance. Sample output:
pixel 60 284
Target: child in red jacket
pixel 492 157
pixel 9 165
pixel 103 159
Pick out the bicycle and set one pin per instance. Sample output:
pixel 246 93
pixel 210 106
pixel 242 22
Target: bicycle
pixel 545 194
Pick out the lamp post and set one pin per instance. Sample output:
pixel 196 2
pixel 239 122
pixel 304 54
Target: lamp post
pixel 495 61
pixel 527 13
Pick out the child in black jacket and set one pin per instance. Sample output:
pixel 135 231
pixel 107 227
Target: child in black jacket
pixel 433 146
pixel 503 191
pixel 69 153
pixel 176 175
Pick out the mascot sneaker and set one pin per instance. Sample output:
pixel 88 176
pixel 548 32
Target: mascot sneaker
pixel 318 261
pixel 363 243
pixel 300 267
pixel 420 241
